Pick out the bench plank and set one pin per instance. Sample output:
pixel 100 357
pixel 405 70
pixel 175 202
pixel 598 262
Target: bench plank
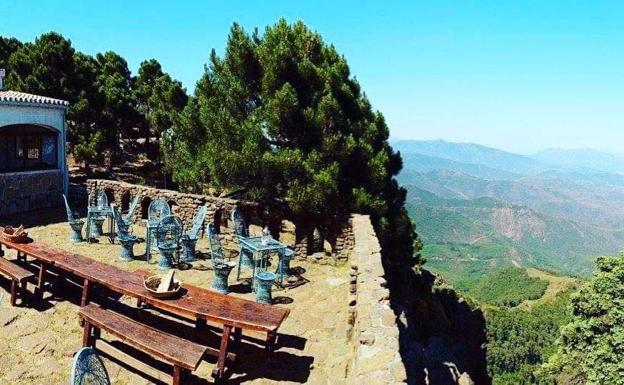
pixel 16 272
pixel 174 350
pixel 18 277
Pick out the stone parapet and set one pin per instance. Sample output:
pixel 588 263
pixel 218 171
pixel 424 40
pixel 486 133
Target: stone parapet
pixel 185 205
pixel 373 329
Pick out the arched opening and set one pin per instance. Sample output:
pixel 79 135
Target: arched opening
pixel 26 147
pixel 217 220
pixel 125 202
pixel 145 203
pixel 173 206
pixel 110 195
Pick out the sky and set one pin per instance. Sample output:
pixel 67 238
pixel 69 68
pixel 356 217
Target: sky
pixel 516 75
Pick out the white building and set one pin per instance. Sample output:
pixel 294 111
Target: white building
pixel 33 168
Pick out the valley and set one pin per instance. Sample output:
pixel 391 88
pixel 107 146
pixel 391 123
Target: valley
pixel 478 209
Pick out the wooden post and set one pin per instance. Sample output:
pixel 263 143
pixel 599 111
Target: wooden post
pixel 86 333
pixel 237 339
pixel 177 373
pixel 270 341
pixel 219 370
pixel 13 292
pixel 200 324
pixel 85 293
pixel 41 280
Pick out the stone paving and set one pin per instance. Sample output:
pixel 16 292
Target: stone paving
pixel 37 341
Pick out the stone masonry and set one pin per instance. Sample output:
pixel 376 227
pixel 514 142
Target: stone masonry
pixel 185 205
pixel 25 191
pixel 373 329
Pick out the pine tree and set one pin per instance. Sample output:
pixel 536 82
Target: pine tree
pixel 281 117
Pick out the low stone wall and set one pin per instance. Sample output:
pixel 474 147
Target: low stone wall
pixel 185 205
pixel 373 329
pixel 24 191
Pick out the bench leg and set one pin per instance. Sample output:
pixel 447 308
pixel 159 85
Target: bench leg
pixel 86 334
pixel 219 371
pixel 177 375
pixel 22 290
pixel 13 292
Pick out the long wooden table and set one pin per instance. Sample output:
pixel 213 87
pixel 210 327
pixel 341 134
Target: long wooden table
pixel 233 314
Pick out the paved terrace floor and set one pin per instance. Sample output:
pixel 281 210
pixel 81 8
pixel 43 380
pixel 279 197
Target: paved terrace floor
pixel 37 341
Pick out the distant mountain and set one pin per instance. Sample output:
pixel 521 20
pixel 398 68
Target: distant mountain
pixel 472 153
pixel 587 158
pixel 585 202
pixel 478 208
pixel 426 163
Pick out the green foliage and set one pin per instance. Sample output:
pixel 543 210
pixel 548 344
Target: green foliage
pixel 592 344
pixel 280 116
pixel 508 287
pixel 103 101
pixel 520 340
pixel 159 98
pixel 7 47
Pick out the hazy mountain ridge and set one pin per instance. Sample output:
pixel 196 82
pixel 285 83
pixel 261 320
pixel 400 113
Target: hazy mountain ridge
pixel 474 217
pixel 585 157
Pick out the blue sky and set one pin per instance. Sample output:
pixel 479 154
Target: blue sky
pixel 520 76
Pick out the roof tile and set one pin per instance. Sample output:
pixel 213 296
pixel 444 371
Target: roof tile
pixel 22 97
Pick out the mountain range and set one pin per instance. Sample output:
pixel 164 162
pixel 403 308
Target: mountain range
pixel 478 208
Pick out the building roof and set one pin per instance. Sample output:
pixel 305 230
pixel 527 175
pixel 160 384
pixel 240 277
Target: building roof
pixel 22 97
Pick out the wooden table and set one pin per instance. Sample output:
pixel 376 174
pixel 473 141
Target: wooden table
pixel 231 313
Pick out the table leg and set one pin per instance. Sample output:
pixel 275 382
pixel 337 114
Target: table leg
pixel 85 292
pixel 200 324
pixel 88 231
pixel 148 241
pixel 238 332
pixel 111 228
pixel 41 279
pixel 219 370
pixel 253 273
pixel 270 341
pixel 240 259
pixel 280 257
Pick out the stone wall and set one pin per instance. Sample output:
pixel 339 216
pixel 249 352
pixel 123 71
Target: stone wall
pixel 185 205
pixel 373 330
pixel 24 191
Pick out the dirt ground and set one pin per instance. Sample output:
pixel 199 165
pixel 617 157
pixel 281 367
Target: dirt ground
pixel 39 338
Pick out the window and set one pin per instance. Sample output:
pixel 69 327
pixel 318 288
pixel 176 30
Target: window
pixel 33 145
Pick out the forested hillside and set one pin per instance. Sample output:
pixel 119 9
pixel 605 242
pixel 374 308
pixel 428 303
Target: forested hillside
pixel 479 209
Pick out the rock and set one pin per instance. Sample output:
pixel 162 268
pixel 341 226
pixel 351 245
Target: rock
pixel 465 379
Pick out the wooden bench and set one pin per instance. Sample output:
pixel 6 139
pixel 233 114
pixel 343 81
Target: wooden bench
pixel 184 355
pixel 18 276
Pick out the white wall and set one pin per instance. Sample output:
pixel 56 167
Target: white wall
pixel 49 116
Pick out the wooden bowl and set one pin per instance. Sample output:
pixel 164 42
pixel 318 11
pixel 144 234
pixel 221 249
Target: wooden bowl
pixel 151 284
pixel 8 232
